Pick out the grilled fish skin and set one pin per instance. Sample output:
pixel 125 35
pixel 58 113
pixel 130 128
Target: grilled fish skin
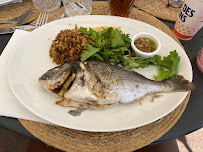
pixel 100 85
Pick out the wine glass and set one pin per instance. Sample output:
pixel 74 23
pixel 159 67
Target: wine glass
pixel 46 5
pixel 175 3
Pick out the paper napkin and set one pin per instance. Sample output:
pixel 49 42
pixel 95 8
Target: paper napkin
pixel 6 2
pixel 9 105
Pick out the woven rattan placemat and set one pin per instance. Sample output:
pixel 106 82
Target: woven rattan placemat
pixel 13 10
pixel 158 8
pixel 123 141
pixel 129 140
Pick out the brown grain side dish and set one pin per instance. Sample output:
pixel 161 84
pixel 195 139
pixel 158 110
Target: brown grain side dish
pixel 68 46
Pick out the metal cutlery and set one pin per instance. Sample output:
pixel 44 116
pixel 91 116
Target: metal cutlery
pixel 42 19
pixel 19 19
pixel 29 26
pixel 12 29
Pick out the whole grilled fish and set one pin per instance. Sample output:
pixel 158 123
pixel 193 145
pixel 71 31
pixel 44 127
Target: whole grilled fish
pixel 98 85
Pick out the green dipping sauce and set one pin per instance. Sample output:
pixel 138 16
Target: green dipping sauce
pixel 145 44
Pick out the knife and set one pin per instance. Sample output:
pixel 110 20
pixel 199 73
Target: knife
pixel 24 27
pixel 12 29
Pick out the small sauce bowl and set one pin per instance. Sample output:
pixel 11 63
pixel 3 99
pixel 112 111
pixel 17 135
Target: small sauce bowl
pixel 145 55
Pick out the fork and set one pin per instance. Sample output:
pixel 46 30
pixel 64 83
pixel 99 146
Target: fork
pixel 19 19
pixel 42 19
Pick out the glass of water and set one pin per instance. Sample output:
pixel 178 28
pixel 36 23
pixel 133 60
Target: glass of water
pixel 175 3
pixel 77 7
pixel 46 5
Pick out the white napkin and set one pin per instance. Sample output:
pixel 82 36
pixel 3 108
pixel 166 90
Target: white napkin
pixel 6 2
pixel 9 105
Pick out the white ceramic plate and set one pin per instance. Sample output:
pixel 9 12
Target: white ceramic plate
pixel 30 59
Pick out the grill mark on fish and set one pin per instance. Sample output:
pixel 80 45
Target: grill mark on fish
pixel 82 78
pixel 98 86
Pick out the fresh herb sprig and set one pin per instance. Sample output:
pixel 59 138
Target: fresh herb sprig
pixel 115 46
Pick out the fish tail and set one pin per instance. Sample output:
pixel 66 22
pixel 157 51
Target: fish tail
pixel 179 83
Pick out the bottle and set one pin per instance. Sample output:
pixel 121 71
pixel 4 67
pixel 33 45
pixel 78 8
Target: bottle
pixel 190 19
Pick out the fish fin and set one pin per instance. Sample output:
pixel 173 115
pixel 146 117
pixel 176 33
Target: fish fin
pixel 71 103
pixel 179 83
pixel 76 112
pixel 138 100
pixel 154 96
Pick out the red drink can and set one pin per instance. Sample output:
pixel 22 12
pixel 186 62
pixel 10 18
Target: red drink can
pixel 190 19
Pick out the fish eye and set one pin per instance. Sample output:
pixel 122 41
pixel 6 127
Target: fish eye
pixel 55 70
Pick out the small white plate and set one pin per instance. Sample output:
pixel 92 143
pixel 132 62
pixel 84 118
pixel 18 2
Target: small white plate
pixel 30 59
pixel 145 54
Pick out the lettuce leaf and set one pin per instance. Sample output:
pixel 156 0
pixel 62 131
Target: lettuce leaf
pixel 171 65
pixel 168 67
pixel 88 52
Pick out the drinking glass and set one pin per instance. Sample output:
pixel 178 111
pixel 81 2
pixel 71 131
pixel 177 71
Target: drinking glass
pixel 175 3
pixel 46 5
pixel 77 7
pixel 121 8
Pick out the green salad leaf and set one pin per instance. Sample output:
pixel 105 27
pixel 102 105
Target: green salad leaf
pixel 171 65
pixel 115 46
pixel 89 52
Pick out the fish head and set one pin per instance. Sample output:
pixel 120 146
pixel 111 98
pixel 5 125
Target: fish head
pixel 69 81
pixel 54 78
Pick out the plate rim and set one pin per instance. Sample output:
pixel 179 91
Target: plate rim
pixel 92 130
